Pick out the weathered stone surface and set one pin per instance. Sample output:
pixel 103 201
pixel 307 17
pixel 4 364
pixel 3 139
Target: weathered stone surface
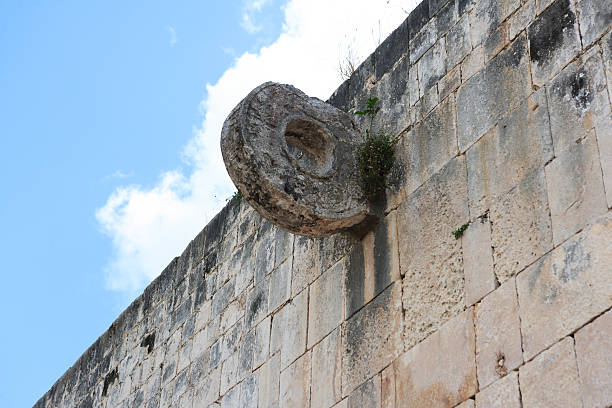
pixel 575 189
pixel 485 97
pixel 326 304
pixel 432 67
pixel 553 40
pixel 520 144
pixel 566 288
pixel 268 381
pixel 501 394
pixel 439 372
pixel 280 285
pixel 248 392
pixel 551 379
pixel 472 63
pixel 521 19
pixel 521 228
pixel 422 41
pixel 466 404
pixel 594 16
pixel 396 98
pixel 326 371
pixel 289 329
pixel 593 347
pixel 228 373
pixel 449 83
pixel 372 338
pixel 496 41
pixel 477 260
pixel 498 335
pixel 367 395
pixel 447 17
pixel 306 267
pixel 487 15
pixel 430 256
pixel 387 386
pixel 295 383
pixel 292 158
pixel 208 391
pixel 391 50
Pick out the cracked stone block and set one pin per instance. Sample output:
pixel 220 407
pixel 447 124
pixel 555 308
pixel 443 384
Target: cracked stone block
pixel 387 386
pixel 268 380
pixel 501 394
pixel 575 189
pixel 228 373
pixel 430 145
pixel 295 383
pixel 418 18
pixel 257 303
pixel 551 379
pixel 521 227
pixel 367 395
pixel 432 66
pixel 264 251
pixel 439 372
pixel 566 288
pixel 492 92
pixel 553 40
pixel 520 144
pixel 248 392
pixel 487 15
pixel 326 304
pixel 413 84
pixel 231 399
pixel 498 335
pixel 496 42
pixel 473 62
pixel 289 329
pixel 521 19
pixel 449 83
pixel 594 17
pixel 430 256
pixel 593 345
pixel 262 342
pixel 477 261
pixel 280 285
pixel 423 41
pixel 458 43
pixel 306 267
pixel 372 338
pixel 245 355
pixel 326 371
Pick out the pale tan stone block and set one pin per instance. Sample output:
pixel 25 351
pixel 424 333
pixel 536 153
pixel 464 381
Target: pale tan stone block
pixel 289 329
pixel 387 385
pixel 575 189
pixel 295 383
pixel 477 260
pixel 498 334
pixel 449 83
pixel 208 391
pixel 604 142
pixel 268 382
pixel 228 373
pixel 501 394
pixel 326 304
pixel 566 288
pixel 430 256
pixel 551 379
pixel 466 404
pixel 262 342
pixel 440 371
pixel 521 227
pixel 342 404
pixel 372 338
pixel 594 355
pixel 326 371
pixel 306 265
pixel 472 63
pixel 367 395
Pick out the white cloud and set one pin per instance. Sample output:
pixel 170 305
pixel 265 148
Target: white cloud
pixel 172 32
pixel 149 226
pixel 250 8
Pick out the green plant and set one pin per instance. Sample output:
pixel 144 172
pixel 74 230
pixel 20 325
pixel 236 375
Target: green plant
pixel 237 196
pixel 459 231
pixel 375 156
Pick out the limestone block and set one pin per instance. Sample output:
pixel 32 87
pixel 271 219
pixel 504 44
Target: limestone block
pixel 432 66
pixel 521 229
pixel 245 355
pixel 306 267
pixel 489 94
pixel 477 260
pixel 231 399
pixel 292 157
pixel 472 63
pixel 248 392
pixel 430 256
pixel 498 335
pixel 262 342
pixel 387 386
pixel 268 381
pixel 332 249
pixel 280 285
pixel 284 245
pixel 594 16
pixel 604 142
pixel 395 104
pixel 326 371
pixel 265 251
pixel 427 102
pixel 244 275
pixel 606 48
pixel 447 17
pixel 487 15
pixel 520 144
pixel 542 4
pixel 551 379
pixel 326 304
pixel 208 390
pixel 458 43
pixel 553 40
pixel 496 41
pixel 228 373
pixel 566 288
pixel 521 19
pixel 501 394
pixel 367 395
pixel 466 404
pixel 392 49
pixel 575 189
pixel 422 41
pixel 223 297
pixel 593 346
pixel 289 329
pixel 413 84
pixel 430 145
pixel 372 338
pixel 295 383
pixel 449 83
pixel 440 371
pixel 232 314
pixel 257 302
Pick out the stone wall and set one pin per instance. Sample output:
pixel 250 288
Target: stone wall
pixel 503 107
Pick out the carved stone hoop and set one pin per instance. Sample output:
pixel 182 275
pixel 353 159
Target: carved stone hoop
pixel 292 158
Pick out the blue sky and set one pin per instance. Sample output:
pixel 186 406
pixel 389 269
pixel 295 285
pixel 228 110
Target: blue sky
pixel 109 120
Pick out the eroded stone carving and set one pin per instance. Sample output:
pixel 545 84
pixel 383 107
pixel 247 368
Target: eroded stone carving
pixel 292 158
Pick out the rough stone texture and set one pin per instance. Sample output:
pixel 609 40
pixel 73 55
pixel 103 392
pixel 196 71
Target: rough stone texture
pixel 430 257
pixel 440 371
pixel 432 66
pixel 593 346
pixel 289 329
pixel 326 308
pixel 521 19
pixel 566 288
pixel 306 266
pixel 551 379
pixel 292 158
pixel 575 189
pixel 466 404
pixel 498 335
pixel 368 395
pixel 387 385
pixel 280 285
pixel 326 371
pixel 594 17
pixel 458 43
pixel 501 394
pixel 521 228
pixel 477 261
pixel 295 384
pixel 487 15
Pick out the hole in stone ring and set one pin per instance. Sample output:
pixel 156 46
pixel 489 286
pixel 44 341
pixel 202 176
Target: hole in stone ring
pixel 310 147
